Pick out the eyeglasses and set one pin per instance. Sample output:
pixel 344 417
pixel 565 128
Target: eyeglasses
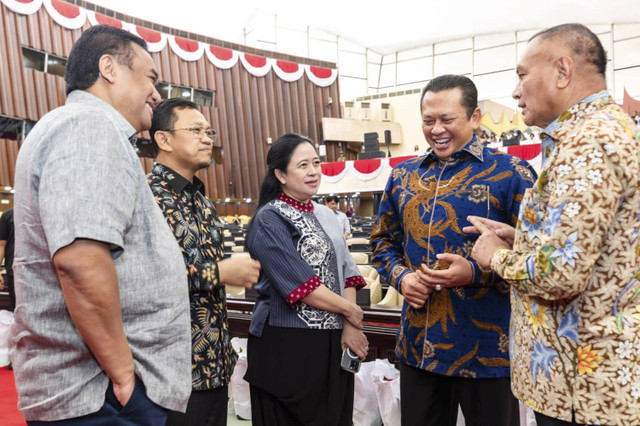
pixel 199 132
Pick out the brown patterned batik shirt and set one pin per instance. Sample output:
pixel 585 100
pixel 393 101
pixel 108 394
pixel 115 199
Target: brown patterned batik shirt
pixel 574 270
pixel 196 226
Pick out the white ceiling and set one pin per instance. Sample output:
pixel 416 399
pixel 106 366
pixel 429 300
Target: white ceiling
pixel 383 26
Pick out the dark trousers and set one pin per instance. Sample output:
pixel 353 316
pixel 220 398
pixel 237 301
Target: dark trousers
pixel 138 411
pixel 265 409
pixel 432 399
pixel 8 281
pixel 205 408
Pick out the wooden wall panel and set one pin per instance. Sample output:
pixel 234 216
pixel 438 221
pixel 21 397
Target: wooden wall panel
pixel 6 91
pixel 247 109
pixel 5 177
pixel 8 154
pixel 12 154
pixel 14 62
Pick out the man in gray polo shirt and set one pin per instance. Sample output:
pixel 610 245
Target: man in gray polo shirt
pixel 101 333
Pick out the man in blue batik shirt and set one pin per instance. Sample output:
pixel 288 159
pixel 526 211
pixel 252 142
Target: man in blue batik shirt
pixel 453 339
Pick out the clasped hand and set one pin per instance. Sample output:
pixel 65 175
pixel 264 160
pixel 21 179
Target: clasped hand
pixel 417 286
pixel 493 236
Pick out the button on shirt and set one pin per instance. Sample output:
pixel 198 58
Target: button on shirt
pixel 196 226
pixel 461 331
pixel 77 176
pixel 575 269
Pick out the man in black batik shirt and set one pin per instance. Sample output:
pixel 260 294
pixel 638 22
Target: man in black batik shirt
pixel 183 140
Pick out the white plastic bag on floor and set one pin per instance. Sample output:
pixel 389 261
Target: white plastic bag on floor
pixel 365 403
pixel 386 381
pixel 6 318
pixel 527 417
pixel 239 395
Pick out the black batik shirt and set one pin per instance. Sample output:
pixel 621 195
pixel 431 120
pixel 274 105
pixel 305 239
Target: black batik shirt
pixel 196 226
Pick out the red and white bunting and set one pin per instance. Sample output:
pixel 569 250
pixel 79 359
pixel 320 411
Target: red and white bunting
pixel 188 50
pixel 156 41
pixel 258 66
pixel 368 169
pixel 23 7
pixel 334 172
pixel 73 17
pixel 288 71
pixel 100 19
pixel 66 14
pixel 322 77
pixel 394 161
pixel 221 57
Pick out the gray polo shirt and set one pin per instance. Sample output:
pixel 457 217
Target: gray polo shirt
pixel 78 176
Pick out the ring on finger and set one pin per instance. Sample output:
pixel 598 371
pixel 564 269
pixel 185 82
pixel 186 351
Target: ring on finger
pixel 438 287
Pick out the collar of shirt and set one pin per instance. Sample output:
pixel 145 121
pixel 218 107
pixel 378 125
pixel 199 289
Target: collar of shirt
pixel 549 135
pixel 474 147
pixel 86 98
pixel 303 207
pixel 177 182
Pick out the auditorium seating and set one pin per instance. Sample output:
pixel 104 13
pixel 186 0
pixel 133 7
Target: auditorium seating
pixel 360 258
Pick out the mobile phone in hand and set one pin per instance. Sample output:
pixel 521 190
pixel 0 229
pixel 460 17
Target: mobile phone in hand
pixel 350 361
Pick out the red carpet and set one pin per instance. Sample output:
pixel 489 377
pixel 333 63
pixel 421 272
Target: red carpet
pixel 9 414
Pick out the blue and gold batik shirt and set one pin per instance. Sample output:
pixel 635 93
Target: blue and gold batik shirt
pixel 461 331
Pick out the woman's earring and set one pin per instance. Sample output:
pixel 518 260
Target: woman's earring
pixel 283 182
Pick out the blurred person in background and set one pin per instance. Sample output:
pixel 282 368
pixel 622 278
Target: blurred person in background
pixel 343 221
pixel 7 241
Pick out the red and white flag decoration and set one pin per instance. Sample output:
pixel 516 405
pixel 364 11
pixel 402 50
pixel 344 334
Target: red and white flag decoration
pixel 368 169
pixel 66 14
pixel 221 57
pixel 258 66
pixel 188 50
pixel 100 19
pixel 156 41
pixel 335 171
pixel 73 17
pixel 23 7
pixel 322 77
pixel 288 71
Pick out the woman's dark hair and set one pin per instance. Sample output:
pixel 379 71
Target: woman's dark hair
pixel 278 158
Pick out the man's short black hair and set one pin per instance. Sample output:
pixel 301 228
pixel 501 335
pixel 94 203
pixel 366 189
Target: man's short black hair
pixel 82 68
pixel 582 41
pixel 451 81
pixel 165 117
pixel 331 198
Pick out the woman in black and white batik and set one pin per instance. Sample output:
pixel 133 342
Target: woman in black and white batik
pixel 306 312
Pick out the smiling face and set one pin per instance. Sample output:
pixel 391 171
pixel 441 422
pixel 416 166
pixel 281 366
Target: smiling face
pixel 134 92
pixel 444 122
pixel 182 150
pixel 302 177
